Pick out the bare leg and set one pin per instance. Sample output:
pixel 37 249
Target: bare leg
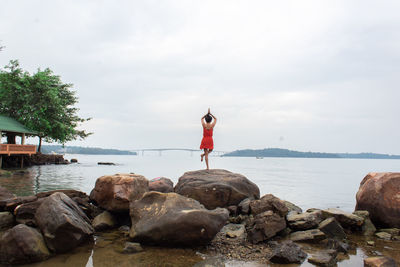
pixel 202 155
pixel 206 155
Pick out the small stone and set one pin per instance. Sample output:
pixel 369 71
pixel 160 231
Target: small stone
pixel 288 252
pixel 74 161
pixel 324 258
pixel 103 221
pixel 131 247
pixel 313 235
pixel 379 262
pixel 371 243
pixel 391 231
pixel 383 235
pixel 396 238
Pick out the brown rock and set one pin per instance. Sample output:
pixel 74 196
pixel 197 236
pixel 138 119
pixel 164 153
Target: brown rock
pixel 62 222
pixel 264 226
pixel 313 235
pixel 6 220
pixel 304 221
pixel 25 213
pixel 379 195
pixel 288 252
pixel 12 203
pixel 161 184
pixel 104 221
pixel 216 188
pixel 114 192
pixel 332 228
pixel 324 258
pixel 171 219
pixel 347 220
pixel 22 244
pixel 69 192
pixel 268 202
pixel 380 261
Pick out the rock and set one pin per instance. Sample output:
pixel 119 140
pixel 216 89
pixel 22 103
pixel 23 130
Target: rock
pixel 11 204
pixel 288 252
pixel 244 206
pixel 131 247
pixel 6 220
pixel 74 161
pixel 383 235
pixel 25 213
pixel 5 194
pixel 22 244
pixel 216 188
pixel 347 220
pixel 378 194
pixel 264 226
pixel 313 235
pixel 332 228
pixel 234 230
pixel 161 184
pixel 105 163
pixel 62 222
pixel 171 219
pixel 337 245
pixel 69 192
pixel 103 221
pixel 114 192
pixel 268 202
pixel 371 243
pixel 232 210
pixel 368 228
pixel 391 231
pixel 380 261
pixel 304 221
pixel 292 207
pixel 324 258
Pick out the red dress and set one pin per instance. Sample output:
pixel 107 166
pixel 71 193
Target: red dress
pixel 207 141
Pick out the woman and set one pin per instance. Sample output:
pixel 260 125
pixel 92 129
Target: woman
pixel 208 121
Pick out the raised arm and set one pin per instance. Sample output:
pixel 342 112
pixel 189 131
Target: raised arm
pixel 214 121
pixel 203 121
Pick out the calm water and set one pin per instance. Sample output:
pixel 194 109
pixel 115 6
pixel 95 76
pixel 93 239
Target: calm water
pixel 317 183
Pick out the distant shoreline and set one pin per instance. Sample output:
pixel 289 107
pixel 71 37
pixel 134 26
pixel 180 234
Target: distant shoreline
pixel 48 149
pixel 286 153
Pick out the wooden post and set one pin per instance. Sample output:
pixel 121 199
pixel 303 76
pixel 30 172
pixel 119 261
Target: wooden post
pixel 22 161
pixel 1 160
pixel 23 139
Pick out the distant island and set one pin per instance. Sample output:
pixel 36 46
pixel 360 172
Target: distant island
pixel 286 153
pixel 48 149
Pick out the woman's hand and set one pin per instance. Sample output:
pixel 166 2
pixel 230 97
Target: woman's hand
pixel 208 111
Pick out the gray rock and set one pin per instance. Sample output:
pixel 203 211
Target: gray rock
pixel 6 220
pixel 104 221
pixel 324 258
pixel 22 244
pixel 380 261
pixel 161 184
pixel 347 220
pixel 264 226
pixel 391 231
pixel 383 235
pixel 332 228
pixel 288 252
pixel 171 219
pixel 244 206
pixel 25 213
pixel 368 228
pixel 234 230
pixel 337 245
pixel 313 235
pixel 292 207
pixel 131 247
pixel 216 188
pixel 304 221
pixel 63 224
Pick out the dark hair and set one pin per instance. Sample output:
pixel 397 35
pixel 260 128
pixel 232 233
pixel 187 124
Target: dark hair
pixel 208 118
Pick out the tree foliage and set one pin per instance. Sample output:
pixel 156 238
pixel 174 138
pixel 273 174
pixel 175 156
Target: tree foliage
pixel 42 102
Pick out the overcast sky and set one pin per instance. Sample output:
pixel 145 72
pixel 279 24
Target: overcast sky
pixel 303 75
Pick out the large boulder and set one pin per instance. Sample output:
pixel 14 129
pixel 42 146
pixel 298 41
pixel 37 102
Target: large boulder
pixel 171 219
pixel 25 213
pixel 114 192
pixel 62 222
pixel 6 220
pixel 22 244
pixel 268 202
pixel 379 195
pixel 161 184
pixel 216 188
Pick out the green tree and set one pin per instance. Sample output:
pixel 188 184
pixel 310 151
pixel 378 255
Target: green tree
pixel 42 102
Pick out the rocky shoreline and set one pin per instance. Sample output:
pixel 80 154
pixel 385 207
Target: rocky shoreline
pixel 217 213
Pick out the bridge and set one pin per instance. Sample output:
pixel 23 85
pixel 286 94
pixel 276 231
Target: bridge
pixel 160 150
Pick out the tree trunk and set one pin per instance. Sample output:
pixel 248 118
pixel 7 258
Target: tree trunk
pixel 40 145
